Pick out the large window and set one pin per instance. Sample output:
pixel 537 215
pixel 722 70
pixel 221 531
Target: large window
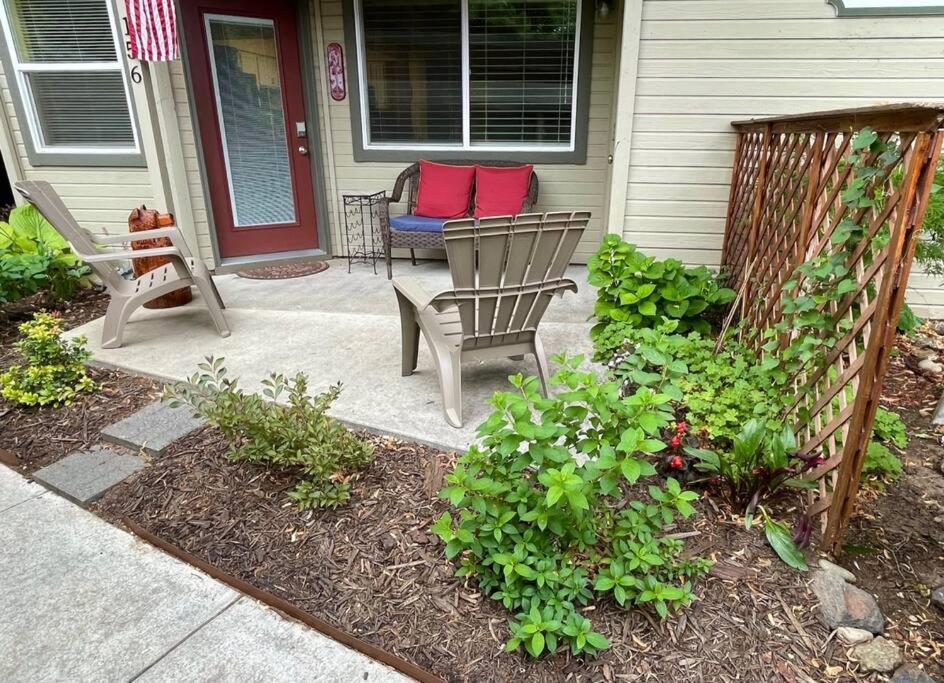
pixel 70 83
pixel 468 74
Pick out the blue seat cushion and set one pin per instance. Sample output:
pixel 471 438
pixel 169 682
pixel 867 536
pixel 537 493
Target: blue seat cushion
pixel 411 223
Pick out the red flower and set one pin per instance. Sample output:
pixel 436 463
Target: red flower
pixel 676 462
pixel 676 441
pixel 681 427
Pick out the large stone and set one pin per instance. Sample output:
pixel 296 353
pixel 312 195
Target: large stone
pixel 853 636
pixel 836 569
pixel 842 604
pixel 153 428
pixel 910 673
pixel 937 597
pixel 84 476
pixel 880 655
pixel 928 365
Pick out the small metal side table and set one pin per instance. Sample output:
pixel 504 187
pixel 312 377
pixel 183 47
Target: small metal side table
pixel 364 218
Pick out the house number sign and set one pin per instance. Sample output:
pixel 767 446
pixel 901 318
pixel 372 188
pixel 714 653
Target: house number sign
pixel 336 81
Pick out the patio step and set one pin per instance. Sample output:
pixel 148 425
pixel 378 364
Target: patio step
pixel 84 476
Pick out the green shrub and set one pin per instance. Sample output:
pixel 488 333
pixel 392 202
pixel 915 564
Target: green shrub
pixel 908 322
pixel 641 290
pixel 34 257
pixel 550 511
pixel 296 434
pixel 889 428
pixel 54 372
pixel 930 250
pixel 718 392
pixel 881 462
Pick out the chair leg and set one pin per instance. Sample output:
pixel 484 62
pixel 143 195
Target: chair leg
pixel 449 368
pixel 389 264
pixel 207 290
pixel 409 336
pixel 119 310
pixel 413 257
pixel 539 356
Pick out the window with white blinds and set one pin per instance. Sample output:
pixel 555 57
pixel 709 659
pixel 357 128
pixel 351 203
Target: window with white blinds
pixel 68 71
pixel 468 74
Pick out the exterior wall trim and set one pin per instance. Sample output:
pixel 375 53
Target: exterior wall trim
pixel 581 120
pixel 623 116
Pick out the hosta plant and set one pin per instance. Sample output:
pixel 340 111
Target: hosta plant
pixel 285 427
pixel 54 370
pixel 558 504
pixel 642 290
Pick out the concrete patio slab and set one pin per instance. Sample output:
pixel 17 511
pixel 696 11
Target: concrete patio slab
pixel 14 489
pixel 84 476
pixel 153 428
pixel 334 327
pixel 249 642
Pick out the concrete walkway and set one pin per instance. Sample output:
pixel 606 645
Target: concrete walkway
pixel 336 326
pixel 81 600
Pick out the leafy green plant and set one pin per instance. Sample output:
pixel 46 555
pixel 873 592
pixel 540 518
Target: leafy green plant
pixel 888 430
pixel 783 542
pixel 34 257
pixel 549 511
pixel 881 462
pixel 930 251
pixel 908 321
pixel 285 427
pixel 641 290
pixel 54 372
pixel 888 427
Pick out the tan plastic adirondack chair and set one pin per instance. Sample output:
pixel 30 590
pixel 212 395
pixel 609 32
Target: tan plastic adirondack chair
pixel 505 270
pixel 99 251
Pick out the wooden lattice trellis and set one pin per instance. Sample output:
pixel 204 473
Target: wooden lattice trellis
pixel 785 204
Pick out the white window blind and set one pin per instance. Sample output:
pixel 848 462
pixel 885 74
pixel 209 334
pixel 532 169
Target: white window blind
pixel 70 76
pixel 468 74
pixel 521 70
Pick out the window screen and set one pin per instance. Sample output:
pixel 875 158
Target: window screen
pixel 521 70
pixel 70 76
pixel 412 55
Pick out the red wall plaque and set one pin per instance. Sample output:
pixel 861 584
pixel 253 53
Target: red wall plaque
pixel 336 72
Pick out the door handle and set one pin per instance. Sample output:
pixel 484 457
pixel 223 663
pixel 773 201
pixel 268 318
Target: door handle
pixel 303 150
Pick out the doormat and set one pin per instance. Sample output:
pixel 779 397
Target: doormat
pixel 285 271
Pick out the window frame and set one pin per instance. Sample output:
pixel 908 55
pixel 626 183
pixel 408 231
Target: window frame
pixel 38 152
pixel 575 152
pixel 912 10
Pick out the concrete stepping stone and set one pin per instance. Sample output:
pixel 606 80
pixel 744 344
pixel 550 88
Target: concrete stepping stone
pixel 153 428
pixel 84 476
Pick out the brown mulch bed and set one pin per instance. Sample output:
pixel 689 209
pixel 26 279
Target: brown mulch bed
pixel 895 544
pixel 372 569
pixel 40 436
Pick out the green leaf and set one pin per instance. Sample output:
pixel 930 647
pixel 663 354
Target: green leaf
pixel 597 640
pixel 553 495
pixel 778 535
pixel 537 644
pixel 631 469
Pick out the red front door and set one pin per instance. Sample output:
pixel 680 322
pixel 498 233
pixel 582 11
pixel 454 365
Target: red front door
pixel 247 84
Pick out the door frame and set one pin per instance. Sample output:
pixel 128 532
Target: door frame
pixel 309 78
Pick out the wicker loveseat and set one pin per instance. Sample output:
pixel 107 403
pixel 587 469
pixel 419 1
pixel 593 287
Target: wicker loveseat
pixel 426 233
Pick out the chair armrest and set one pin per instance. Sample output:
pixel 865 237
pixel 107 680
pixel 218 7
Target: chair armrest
pixel 105 257
pixel 173 234
pixel 565 285
pixel 405 175
pixel 413 291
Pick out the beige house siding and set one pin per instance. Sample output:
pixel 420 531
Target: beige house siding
pixel 703 64
pixel 100 198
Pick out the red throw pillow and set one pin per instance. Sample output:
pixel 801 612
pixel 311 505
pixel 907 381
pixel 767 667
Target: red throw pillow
pixel 444 190
pixel 501 191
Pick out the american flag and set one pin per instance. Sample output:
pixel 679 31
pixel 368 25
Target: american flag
pixel 152 30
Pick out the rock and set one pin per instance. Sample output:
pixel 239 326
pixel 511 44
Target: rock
pixel 937 597
pixel 939 328
pixel 880 655
pixel 844 605
pixel 910 673
pixel 836 569
pixel 924 353
pixel 929 342
pixel 853 636
pixel 928 365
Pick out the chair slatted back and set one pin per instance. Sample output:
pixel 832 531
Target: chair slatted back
pixel 505 270
pixel 47 201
